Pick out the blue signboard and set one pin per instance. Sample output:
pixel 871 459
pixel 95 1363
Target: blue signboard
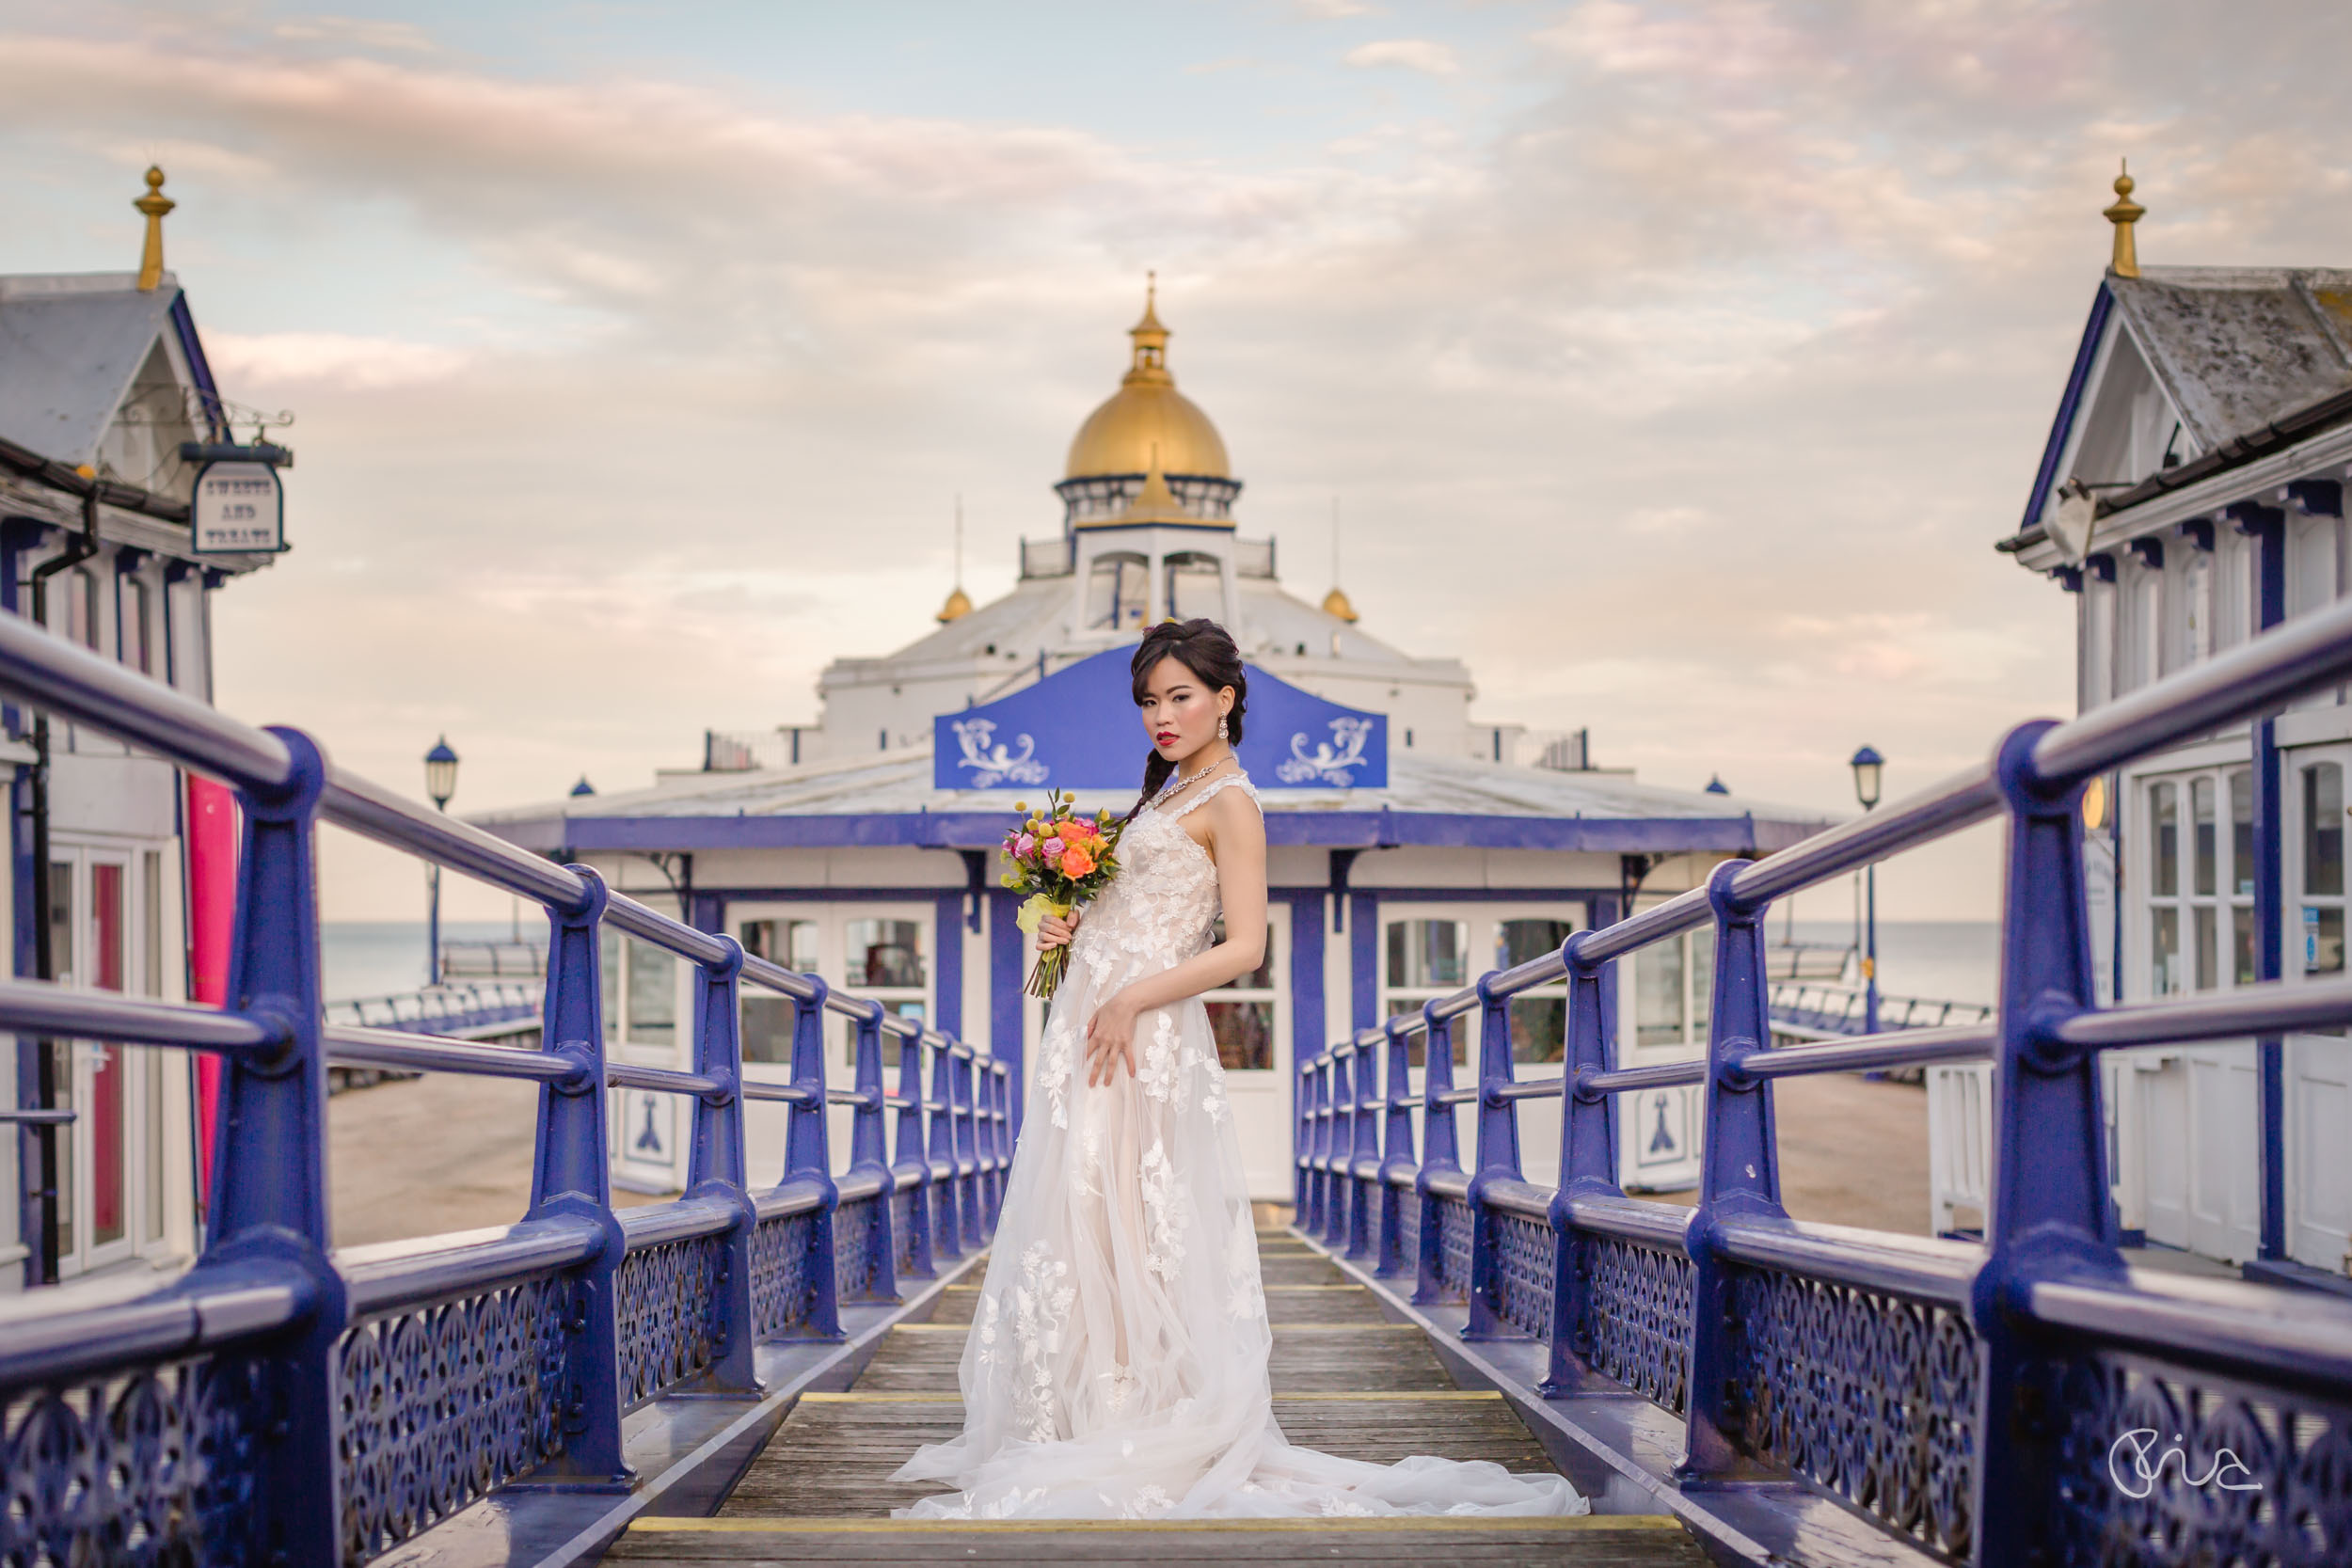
pixel 1077 729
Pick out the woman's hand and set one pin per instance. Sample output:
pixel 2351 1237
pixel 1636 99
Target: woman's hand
pixel 1054 932
pixel 1110 1039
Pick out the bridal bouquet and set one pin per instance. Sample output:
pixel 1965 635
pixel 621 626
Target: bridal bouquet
pixel 1061 860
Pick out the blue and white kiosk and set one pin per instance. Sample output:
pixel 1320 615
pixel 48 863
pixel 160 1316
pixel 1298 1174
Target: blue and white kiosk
pixel 1411 848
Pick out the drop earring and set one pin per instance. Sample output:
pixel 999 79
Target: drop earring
pixel 1221 726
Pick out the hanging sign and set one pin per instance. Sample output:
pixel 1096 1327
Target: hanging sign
pixel 240 508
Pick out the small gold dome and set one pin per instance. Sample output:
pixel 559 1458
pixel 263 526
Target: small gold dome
pixel 1335 603
pixel 958 605
pixel 1148 412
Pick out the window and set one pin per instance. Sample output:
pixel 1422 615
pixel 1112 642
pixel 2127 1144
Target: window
pixel 643 977
pixel 72 606
pixel 766 1018
pixel 2201 881
pixel 137 645
pixel 882 954
pixel 1438 952
pixel 2197 581
pixel 1539 1018
pixel 1673 987
pixel 1241 1012
pixel 1196 585
pixel 1119 591
pixel 2322 868
pixel 1428 959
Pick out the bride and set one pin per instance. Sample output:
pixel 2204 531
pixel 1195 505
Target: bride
pixel 1117 1366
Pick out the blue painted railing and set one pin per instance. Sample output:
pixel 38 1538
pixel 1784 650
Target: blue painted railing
pixel 1813 1008
pixel 277 1404
pixel 1958 1401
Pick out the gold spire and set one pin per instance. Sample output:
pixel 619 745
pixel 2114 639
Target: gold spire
pixel 154 204
pixel 959 603
pixel 1335 603
pixel 1150 364
pixel 2123 214
pixel 1155 503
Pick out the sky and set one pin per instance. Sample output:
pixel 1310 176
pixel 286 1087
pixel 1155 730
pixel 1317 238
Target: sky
pixel 1676 365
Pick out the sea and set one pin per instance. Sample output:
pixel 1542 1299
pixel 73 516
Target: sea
pixel 1944 960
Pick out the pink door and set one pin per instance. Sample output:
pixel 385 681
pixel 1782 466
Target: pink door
pixel 109 1150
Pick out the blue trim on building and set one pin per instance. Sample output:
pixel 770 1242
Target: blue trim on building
pixel 985 829
pixel 192 347
pixel 2062 426
pixel 1489 894
pixel 1306 976
pixel 1006 973
pixel 1363 959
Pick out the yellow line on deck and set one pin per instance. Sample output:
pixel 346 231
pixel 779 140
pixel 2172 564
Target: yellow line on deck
pixel 1580 1522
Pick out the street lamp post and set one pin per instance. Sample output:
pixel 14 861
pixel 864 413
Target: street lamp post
pixel 1866 767
pixel 440 783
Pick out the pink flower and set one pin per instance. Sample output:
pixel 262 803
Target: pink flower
pixel 1022 845
pixel 1051 849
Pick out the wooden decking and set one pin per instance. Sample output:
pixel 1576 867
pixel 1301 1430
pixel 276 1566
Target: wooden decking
pixel 1345 1381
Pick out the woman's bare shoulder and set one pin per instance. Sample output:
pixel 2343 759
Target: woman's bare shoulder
pixel 1234 816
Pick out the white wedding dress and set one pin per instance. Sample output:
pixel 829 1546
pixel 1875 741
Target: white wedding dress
pixel 1117 1366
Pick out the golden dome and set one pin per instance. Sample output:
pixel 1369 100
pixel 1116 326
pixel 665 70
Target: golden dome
pixel 958 605
pixel 1147 413
pixel 1335 603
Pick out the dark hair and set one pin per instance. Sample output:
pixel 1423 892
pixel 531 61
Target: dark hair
pixel 1207 650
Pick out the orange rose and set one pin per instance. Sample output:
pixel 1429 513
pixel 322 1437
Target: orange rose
pixel 1076 862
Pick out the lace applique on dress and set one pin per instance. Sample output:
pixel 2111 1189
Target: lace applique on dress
pixel 1119 1356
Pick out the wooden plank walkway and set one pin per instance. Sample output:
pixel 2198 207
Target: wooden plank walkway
pixel 1345 1381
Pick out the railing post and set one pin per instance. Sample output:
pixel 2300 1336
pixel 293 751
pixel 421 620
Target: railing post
pixel 994 1156
pixel 1302 1137
pixel 1336 1183
pixel 967 1145
pixel 1397 1138
pixel 1739 1177
pixel 1363 1165
pixel 569 1175
pixel 911 1167
pixel 1497 1157
pixel 869 1158
pixel 269 1211
pixel 2048 1199
pixel 808 1162
pixel 1319 1147
pixel 1441 1153
pixel 948 1233
pixel 1588 1161
pixel 715 1169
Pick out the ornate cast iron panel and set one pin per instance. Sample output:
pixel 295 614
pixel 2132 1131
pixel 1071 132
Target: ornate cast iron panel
pixel 780 1283
pixel 1640 1313
pixel 1408 1227
pixel 1523 1273
pixel 1454 1246
pixel 852 1264
pixel 2293 1446
pixel 903 1230
pixel 667 1294
pixel 439 1404
pixel 152 1467
pixel 1874 1396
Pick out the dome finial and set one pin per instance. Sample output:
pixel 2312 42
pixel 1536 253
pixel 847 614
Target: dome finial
pixel 154 204
pixel 1336 603
pixel 959 603
pixel 1151 361
pixel 2123 214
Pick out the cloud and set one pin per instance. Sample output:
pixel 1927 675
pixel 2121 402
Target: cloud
pixel 1682 397
pixel 356 32
pixel 1422 55
pixel 299 361
pixel 1335 10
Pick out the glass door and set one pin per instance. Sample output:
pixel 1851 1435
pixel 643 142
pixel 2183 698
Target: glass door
pixel 2318 1064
